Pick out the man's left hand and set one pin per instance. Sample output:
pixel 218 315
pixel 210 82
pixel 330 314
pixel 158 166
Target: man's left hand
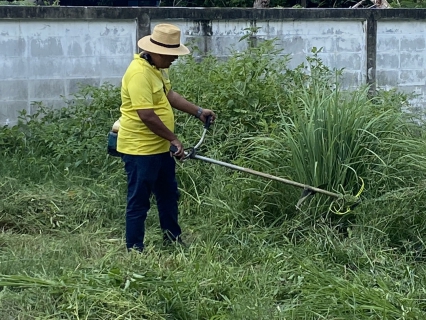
pixel 205 113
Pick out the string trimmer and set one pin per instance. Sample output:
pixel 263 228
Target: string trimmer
pixel 348 202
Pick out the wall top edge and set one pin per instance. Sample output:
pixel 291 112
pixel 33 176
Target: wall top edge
pixel 83 13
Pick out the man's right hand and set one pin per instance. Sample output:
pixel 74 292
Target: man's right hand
pixel 180 151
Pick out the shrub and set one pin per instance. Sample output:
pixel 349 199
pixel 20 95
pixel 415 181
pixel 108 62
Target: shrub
pixel 69 137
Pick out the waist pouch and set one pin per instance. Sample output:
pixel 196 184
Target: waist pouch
pixel 112 144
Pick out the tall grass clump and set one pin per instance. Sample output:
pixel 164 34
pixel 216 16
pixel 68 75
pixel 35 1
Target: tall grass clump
pixel 342 141
pixel 336 138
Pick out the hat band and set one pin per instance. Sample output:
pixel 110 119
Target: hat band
pixel 164 45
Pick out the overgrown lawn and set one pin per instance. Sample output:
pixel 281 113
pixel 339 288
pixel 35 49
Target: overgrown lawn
pixel 251 254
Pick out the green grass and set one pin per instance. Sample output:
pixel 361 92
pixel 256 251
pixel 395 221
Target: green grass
pixel 241 271
pixel 239 265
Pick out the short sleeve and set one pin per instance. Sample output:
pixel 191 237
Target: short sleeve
pixel 140 91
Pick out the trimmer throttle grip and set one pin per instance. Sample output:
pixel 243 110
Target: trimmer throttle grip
pixel 208 122
pixel 173 149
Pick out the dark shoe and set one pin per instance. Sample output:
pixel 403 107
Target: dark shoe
pixel 168 240
pixel 135 249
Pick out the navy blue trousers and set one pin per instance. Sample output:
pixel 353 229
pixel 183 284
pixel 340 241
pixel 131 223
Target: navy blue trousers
pixel 147 175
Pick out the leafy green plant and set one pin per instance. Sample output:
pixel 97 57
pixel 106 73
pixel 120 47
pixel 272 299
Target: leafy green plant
pixel 68 137
pixel 243 89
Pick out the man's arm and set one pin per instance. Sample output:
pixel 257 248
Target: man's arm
pixel 153 122
pixel 180 103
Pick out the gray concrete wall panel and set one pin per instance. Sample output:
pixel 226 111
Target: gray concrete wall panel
pixel 401 59
pixel 73 85
pixel 44 59
pixel 13 68
pixel 46 89
pixel 12 90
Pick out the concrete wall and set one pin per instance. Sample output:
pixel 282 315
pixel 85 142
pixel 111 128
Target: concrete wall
pixel 401 57
pixel 46 59
pixel 343 42
pixel 46 51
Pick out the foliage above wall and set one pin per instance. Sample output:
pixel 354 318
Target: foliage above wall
pixel 17 3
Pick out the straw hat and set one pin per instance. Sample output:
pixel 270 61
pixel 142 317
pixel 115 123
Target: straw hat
pixel 165 39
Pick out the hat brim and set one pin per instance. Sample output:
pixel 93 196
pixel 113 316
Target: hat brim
pixel 146 44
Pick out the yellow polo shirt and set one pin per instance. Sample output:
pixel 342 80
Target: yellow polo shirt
pixel 143 87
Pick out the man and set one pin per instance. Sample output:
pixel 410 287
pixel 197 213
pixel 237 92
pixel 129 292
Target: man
pixel 146 134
